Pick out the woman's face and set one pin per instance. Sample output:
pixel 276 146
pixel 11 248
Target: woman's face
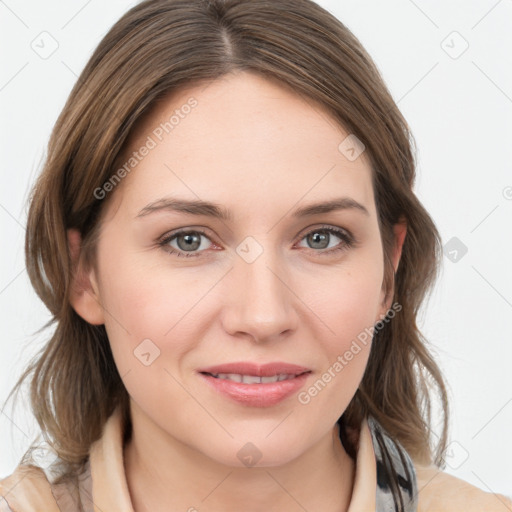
pixel 271 283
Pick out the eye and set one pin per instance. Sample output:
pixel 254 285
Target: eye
pixel 187 243
pixel 321 238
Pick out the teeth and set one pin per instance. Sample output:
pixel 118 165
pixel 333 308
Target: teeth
pixel 230 376
pixel 252 379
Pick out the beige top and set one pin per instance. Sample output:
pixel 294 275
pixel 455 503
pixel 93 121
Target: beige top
pixel 103 486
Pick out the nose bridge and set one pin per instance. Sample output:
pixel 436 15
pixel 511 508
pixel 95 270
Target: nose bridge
pixel 261 304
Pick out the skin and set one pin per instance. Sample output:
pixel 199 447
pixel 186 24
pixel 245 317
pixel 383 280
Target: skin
pixel 260 151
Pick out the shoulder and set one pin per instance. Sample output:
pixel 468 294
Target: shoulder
pixel 26 486
pixel 439 491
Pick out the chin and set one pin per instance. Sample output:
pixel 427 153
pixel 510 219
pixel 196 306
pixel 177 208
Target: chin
pixel 256 454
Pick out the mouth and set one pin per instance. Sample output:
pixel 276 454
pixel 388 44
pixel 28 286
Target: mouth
pixel 253 385
pixel 253 379
pixel 252 371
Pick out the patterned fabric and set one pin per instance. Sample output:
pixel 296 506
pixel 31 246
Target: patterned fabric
pixel 75 496
pixel 397 487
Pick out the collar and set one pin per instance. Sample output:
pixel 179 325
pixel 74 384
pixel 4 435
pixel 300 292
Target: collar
pixel 385 478
pixel 110 489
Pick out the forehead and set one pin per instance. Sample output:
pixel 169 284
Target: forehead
pixel 241 139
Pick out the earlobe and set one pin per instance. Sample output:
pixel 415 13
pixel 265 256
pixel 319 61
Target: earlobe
pixel 84 295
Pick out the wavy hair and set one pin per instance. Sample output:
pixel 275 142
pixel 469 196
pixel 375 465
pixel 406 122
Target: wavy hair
pixel 157 47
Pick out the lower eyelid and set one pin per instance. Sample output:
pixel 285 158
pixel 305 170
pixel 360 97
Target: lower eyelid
pixel 164 243
pixel 347 241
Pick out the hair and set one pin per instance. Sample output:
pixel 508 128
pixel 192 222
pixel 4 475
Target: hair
pixel 155 48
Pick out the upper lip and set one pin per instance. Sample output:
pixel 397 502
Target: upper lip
pixel 258 370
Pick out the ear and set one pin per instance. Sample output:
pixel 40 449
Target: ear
pixel 399 230
pixel 84 292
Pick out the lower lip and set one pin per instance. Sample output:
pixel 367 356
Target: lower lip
pixel 257 395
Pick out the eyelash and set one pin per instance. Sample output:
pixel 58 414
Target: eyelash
pixel 348 241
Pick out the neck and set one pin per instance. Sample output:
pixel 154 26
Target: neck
pixel 164 474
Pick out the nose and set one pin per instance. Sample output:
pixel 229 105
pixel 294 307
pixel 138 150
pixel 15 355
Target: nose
pixel 261 304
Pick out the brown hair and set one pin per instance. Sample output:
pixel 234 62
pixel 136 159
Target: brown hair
pixel 155 48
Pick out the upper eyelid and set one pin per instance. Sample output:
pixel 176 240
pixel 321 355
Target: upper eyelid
pixel 203 231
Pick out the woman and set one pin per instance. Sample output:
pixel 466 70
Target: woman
pixel 226 235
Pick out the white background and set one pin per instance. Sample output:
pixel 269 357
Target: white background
pixel 459 106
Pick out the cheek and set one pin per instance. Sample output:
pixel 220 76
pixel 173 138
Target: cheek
pixel 146 332
pixel 149 302
pixel 348 307
pixel 155 318
pixel 349 313
pixel 349 300
pixel 355 307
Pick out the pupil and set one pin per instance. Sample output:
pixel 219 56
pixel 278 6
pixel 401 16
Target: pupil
pixel 191 242
pixel 319 238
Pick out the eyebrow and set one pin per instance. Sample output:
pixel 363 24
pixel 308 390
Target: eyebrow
pixel 198 207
